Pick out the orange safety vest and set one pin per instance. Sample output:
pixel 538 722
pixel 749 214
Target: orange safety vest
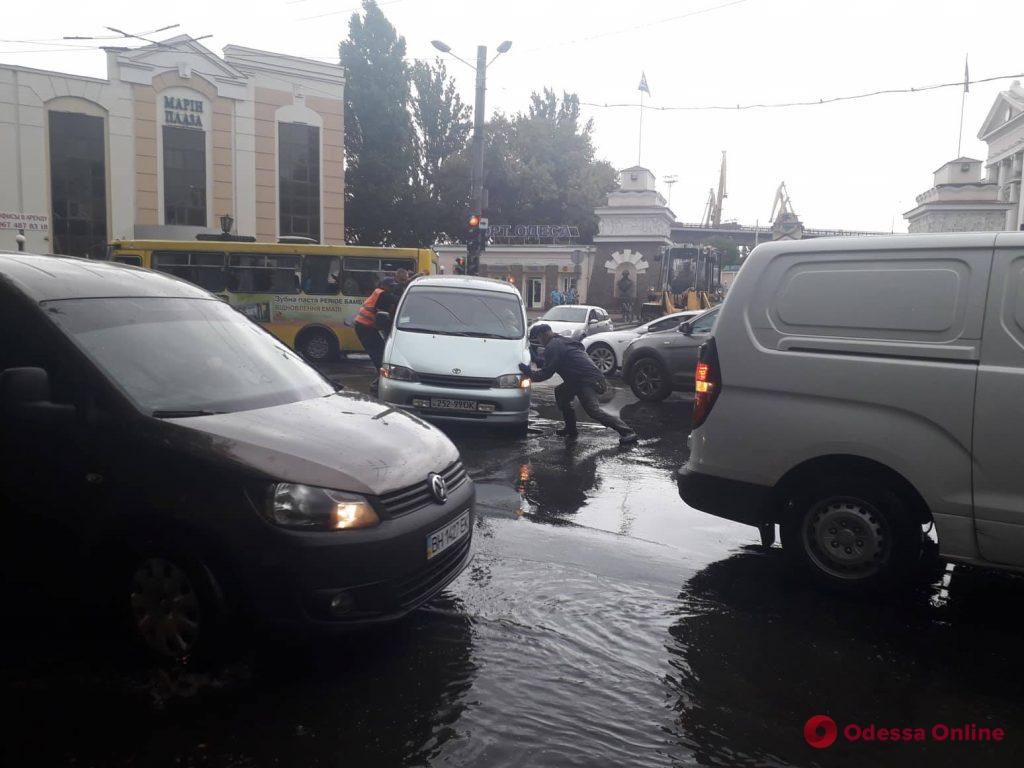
pixel 368 312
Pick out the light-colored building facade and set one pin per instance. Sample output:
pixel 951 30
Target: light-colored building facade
pixel 536 270
pixel 1003 131
pixel 174 138
pixel 959 201
pixel 634 232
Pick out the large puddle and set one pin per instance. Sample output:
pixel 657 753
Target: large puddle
pixel 602 623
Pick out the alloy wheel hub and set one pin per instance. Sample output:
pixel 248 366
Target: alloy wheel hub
pixel 165 607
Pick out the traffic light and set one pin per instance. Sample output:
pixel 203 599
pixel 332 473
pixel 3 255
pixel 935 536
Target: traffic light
pixel 476 243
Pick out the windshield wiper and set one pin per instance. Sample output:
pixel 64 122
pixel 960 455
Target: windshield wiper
pixel 482 335
pixel 182 414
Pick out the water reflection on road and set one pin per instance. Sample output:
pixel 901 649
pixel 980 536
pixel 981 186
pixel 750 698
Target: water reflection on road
pixel 602 622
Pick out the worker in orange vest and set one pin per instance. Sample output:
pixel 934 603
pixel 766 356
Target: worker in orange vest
pixel 366 320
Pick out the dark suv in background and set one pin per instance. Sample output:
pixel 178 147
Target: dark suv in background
pixel 657 364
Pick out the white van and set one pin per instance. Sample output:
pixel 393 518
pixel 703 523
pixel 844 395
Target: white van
pixel 858 390
pixel 454 351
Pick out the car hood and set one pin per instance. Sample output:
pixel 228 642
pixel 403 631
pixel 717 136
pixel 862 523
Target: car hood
pixel 557 326
pixel 442 355
pixel 346 441
pixel 611 337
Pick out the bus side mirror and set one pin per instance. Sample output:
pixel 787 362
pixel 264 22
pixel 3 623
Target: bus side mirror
pixel 382 321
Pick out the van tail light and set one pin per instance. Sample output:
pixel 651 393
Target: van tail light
pixel 707 382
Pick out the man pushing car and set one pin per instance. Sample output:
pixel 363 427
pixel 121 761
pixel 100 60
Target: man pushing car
pixel 580 379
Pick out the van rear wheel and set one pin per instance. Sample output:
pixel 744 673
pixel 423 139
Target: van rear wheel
pixel 851 533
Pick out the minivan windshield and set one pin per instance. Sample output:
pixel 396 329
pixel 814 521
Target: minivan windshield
pixel 462 312
pixel 566 314
pixel 186 357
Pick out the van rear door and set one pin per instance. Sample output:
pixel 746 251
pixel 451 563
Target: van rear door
pixel 999 412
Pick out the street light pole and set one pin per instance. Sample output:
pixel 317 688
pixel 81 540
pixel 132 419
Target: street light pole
pixel 478 130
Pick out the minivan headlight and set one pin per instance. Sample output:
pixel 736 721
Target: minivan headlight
pixel 399 373
pixel 293 505
pixel 513 380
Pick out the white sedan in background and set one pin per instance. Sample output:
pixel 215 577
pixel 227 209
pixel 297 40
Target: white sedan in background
pixel 574 321
pixel 606 349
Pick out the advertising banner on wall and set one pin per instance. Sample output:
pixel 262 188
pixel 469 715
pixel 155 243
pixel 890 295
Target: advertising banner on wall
pixel 30 222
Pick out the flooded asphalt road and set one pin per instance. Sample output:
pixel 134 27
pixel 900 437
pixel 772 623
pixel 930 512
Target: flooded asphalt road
pixel 601 623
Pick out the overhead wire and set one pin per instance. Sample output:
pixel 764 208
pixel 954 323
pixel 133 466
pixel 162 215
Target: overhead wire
pixel 809 103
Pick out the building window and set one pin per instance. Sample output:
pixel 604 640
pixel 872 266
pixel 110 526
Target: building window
pixel 78 184
pixel 184 176
pixel 299 185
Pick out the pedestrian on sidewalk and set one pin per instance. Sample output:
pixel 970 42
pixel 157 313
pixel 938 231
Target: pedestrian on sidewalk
pixel 381 300
pixel 580 379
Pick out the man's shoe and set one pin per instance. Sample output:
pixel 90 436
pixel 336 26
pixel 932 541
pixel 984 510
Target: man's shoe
pixel 628 438
pixel 570 434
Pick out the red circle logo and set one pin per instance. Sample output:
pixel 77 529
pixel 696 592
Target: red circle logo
pixel 820 731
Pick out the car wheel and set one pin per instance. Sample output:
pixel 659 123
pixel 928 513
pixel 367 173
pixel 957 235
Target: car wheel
pixel 650 380
pixel 603 357
pixel 851 533
pixel 176 607
pixel 317 345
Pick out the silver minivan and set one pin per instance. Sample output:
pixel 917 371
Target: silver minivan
pixel 454 351
pixel 858 391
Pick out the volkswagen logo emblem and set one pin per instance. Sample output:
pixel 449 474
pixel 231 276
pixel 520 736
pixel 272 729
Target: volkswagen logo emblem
pixel 438 488
pixel 456 371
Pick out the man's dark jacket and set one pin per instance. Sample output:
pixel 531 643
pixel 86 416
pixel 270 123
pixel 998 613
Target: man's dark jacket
pixel 569 360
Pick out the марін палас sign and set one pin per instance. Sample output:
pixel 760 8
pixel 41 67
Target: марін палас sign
pixel 188 113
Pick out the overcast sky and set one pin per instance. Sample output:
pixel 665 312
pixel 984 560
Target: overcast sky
pixel 855 165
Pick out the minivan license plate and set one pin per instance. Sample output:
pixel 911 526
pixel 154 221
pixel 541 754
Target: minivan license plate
pixel 448 404
pixel 440 540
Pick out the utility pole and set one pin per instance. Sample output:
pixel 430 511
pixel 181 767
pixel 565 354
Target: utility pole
pixel 477 200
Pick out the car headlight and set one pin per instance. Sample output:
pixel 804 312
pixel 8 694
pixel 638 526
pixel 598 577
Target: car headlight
pixel 566 332
pixel 399 373
pixel 513 380
pixel 304 506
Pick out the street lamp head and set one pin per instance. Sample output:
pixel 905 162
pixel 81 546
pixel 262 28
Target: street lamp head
pixel 442 47
pixel 503 48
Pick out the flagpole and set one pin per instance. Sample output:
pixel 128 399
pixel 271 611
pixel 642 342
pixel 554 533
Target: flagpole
pixel 959 141
pixel 640 141
pixel 963 99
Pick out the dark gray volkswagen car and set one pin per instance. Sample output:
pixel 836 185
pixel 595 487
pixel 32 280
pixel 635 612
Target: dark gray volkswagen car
pixel 162 451
pixel 657 364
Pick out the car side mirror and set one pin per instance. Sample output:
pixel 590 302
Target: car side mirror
pixel 686 328
pixel 25 396
pixel 593 321
pixel 382 321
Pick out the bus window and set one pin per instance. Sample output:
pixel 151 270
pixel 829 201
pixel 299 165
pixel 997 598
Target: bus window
pixel 135 261
pixel 321 274
pixel 263 273
pixel 361 276
pixel 390 266
pixel 204 269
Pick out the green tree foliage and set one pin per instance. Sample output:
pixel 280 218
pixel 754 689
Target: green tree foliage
pixel 441 128
pixel 729 250
pixel 379 150
pixel 407 145
pixel 540 167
